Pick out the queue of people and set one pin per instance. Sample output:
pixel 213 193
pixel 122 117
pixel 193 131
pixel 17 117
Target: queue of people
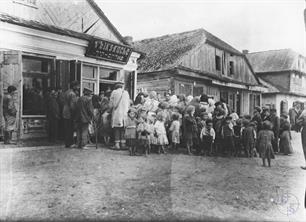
pixel 199 125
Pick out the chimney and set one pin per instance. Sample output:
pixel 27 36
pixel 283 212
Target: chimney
pixel 245 51
pixel 129 40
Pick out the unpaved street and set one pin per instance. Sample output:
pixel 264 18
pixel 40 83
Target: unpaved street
pixel 58 183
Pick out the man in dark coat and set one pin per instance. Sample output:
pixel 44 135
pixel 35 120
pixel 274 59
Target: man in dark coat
pixel 53 115
pixel 293 116
pixel 84 115
pixel 275 128
pixel 70 99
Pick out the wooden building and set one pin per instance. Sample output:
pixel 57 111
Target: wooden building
pixel 47 43
pixel 284 73
pixel 197 62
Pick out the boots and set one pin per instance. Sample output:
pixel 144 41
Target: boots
pixel 7 137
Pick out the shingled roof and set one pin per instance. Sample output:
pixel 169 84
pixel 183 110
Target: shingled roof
pixel 165 52
pixel 272 60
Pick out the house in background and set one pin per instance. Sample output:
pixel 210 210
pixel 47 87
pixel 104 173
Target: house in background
pixel 284 73
pixel 196 62
pixel 46 43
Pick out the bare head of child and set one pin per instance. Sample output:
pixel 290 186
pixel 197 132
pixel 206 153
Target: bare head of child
pixel 204 116
pixel 175 116
pixel 190 110
pixel 132 113
pixel 160 117
pixel 209 124
pixel 239 122
pixel 228 120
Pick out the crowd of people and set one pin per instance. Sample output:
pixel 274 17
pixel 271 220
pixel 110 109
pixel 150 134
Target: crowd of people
pixel 199 125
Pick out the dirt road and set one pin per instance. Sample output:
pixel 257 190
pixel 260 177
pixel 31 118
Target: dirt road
pixel 58 183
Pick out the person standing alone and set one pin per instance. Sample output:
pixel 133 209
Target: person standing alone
pixel 9 114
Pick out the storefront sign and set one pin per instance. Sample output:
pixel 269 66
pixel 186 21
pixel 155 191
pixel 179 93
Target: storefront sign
pixel 101 49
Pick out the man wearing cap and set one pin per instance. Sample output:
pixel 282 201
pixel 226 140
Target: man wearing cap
pixel 119 104
pixel 70 99
pixel 9 114
pixel 84 113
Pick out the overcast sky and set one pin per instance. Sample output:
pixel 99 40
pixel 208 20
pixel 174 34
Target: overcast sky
pixel 255 25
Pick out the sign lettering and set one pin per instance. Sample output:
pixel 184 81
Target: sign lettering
pixel 101 49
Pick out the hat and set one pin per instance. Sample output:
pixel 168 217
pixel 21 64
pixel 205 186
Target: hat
pixel 87 90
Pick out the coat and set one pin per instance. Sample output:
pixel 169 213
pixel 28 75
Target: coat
pixel 84 110
pixel 264 143
pixel 53 111
pixel 119 104
pixel 70 99
pixel 293 116
pixel 9 112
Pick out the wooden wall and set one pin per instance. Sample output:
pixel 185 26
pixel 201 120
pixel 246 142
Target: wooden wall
pixel 203 59
pixel 76 15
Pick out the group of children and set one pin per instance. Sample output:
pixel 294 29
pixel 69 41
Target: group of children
pixel 202 134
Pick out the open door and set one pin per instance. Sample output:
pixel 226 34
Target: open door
pixel 10 74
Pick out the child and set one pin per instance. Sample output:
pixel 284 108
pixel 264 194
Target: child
pixel 218 121
pixel 249 138
pixel 143 134
pixel 207 137
pixel 285 139
pixel 130 131
pixel 150 129
pixel 265 138
pixel 175 131
pixel 237 137
pixel 190 128
pixel 160 133
pixel 227 134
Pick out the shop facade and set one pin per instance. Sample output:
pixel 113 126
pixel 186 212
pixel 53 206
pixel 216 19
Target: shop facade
pixel 35 57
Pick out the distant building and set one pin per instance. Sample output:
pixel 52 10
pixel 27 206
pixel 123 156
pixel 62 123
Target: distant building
pixel 197 62
pixel 284 73
pixel 46 43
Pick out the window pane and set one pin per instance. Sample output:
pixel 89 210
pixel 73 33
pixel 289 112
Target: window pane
pixel 89 85
pixel 35 65
pixel 34 91
pixel 89 72
pixel 108 74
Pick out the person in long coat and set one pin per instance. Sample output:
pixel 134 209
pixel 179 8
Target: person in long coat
pixel 84 114
pixel 119 104
pixel 70 99
pixel 302 122
pixel 9 114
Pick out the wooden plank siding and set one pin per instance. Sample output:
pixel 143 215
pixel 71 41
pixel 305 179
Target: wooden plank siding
pixel 68 14
pixel 203 59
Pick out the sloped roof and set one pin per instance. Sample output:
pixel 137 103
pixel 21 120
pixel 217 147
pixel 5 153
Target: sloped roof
pixel 272 60
pixel 107 21
pixel 43 27
pixel 270 88
pixel 165 52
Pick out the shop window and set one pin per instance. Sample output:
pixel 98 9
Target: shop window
pixel 36 81
pixel 108 74
pixel 89 72
pixel 89 85
pixel 198 90
pixel 218 63
pixel 231 68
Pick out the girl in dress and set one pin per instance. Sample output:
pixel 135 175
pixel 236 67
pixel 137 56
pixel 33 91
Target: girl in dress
pixel 143 134
pixel 130 131
pixel 175 131
pixel 160 133
pixel 190 128
pixel 265 138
